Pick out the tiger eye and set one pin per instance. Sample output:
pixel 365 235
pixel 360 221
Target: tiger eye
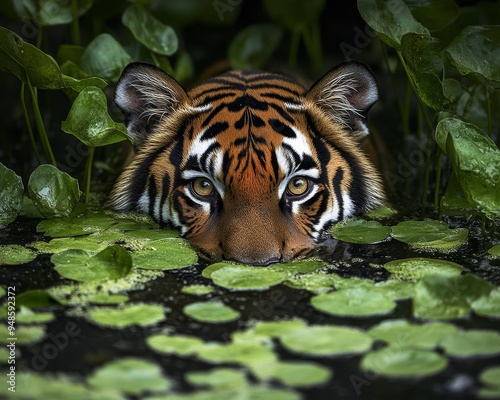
pixel 298 186
pixel 203 187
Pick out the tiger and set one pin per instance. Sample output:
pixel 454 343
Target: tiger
pixel 249 166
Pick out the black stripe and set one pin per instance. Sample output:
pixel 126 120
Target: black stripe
pixel 152 192
pixel 210 99
pixel 246 101
pixel 276 96
pixel 272 86
pixel 282 112
pixel 214 130
pixel 281 128
pixel 206 154
pixel 212 114
pixel 336 183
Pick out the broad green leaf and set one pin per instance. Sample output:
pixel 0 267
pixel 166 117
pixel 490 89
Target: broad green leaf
pixel 28 63
pixel 165 254
pixel 491 376
pixel 11 195
pixel 156 36
pixel 240 277
pixel 297 373
pixel 476 51
pixel 424 57
pixel 13 254
pixel 471 343
pixel 89 121
pixel 390 20
pixel 76 226
pixel 495 250
pixel 218 379
pixel 413 269
pixel 197 290
pixel 434 15
pixel 134 314
pixel 54 193
pixel 24 334
pixel 111 263
pixel 27 316
pixel 76 79
pixel 249 354
pixel 475 159
pixel 50 12
pixel 105 57
pixel 360 231
pixel 182 345
pixel 211 312
pixel 489 305
pixel 294 14
pixel 254 45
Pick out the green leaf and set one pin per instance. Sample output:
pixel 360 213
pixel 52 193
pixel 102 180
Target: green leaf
pixel 11 195
pixel 475 159
pixel 135 314
pixel 360 231
pixel 491 376
pixel 156 36
pixel 89 121
pixel 220 379
pixel 111 263
pixel 28 63
pixel 240 277
pixel 24 334
pixel 413 269
pixel 475 51
pixel 165 254
pixel 294 14
pixel 13 254
pixel 297 373
pixel 54 193
pixel 495 250
pixel 472 343
pixel 211 312
pixel 390 20
pixel 254 45
pixel 182 345
pixel 49 12
pixel 105 57
pixel 435 15
pixel 26 316
pixel 489 305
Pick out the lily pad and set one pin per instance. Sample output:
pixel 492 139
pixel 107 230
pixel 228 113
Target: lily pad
pixel 491 376
pixel 395 290
pixel 54 193
pixel 27 316
pixel 397 362
pixel 298 373
pixel 76 226
pixel 360 231
pixel 278 328
pixel 24 334
pixel 182 345
pixel 132 375
pixel 219 379
pixel 11 195
pixel 165 254
pixel 472 343
pixel 413 269
pixel 197 290
pixel 429 235
pixel 211 312
pixel 401 333
pixel 251 355
pixel 112 263
pixel 135 314
pixel 489 305
pixel 327 341
pixel 495 250
pixel 240 277
pixel 58 245
pixel 13 254
pixel 356 302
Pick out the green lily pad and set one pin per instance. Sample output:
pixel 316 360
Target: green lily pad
pixel 11 195
pixel 35 298
pixel 24 334
pixel 356 302
pixel 395 290
pixel 135 314
pixel 360 231
pixel 472 343
pixel 219 379
pixel 327 341
pixel 182 345
pixel 397 362
pixel 401 333
pixel 256 392
pixel 58 245
pixel 13 254
pixel 297 267
pixel 276 329
pixel 54 193
pixel 384 211
pixel 211 312
pixel 413 269
pixel 197 290
pixel 106 298
pixel 27 316
pixel 112 263
pixel 131 375
pixel 441 296
pixel 207 272
pixel 491 376
pixel 2 291
pixel 252 355
pixel 489 305
pixel 240 277
pixel 297 373
pixel 429 235
pixel 76 226
pixel 495 250
pixel 316 283
pixel 165 254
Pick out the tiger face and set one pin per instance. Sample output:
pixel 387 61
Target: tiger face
pixel 249 166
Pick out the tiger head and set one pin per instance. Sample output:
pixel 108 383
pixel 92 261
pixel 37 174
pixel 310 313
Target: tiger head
pixel 249 165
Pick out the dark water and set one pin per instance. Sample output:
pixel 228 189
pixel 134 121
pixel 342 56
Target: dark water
pixel 92 345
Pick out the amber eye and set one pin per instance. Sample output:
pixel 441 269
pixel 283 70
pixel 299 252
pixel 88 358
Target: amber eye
pixel 203 187
pixel 298 186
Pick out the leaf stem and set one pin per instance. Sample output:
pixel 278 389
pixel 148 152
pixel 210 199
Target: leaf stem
pixel 28 123
pixel 88 173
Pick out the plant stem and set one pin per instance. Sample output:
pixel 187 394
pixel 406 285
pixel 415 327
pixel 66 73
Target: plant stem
pixel 40 126
pixel 88 173
pixel 294 47
pixel 75 27
pixel 28 123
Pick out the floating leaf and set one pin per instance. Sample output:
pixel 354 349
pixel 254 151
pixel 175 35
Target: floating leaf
pixel 327 341
pixel 165 254
pixel 240 277
pixel 278 328
pixel 254 45
pixel 211 312
pixel 475 51
pixel 390 20
pixel 297 267
pixel 23 334
pixel 489 305
pixel 197 290
pixel 26 316
pixel 58 245
pixel 35 298
pixel 135 314
pixel 491 376
pixel 54 193
pixel 105 57
pixel 356 302
pixel 13 254
pixel 397 362
pixel 182 345
pixel 112 263
pixel 429 234
pixel 11 195
pixel 131 375
pixel 413 269
pixel 298 373
pixel 395 290
pixel 360 231
pixel 472 343
pixel 249 354
pixel 156 36
pixel 475 159
pixel 219 379
pixel 495 250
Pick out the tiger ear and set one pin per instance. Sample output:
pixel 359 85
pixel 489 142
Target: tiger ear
pixel 145 94
pixel 345 94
